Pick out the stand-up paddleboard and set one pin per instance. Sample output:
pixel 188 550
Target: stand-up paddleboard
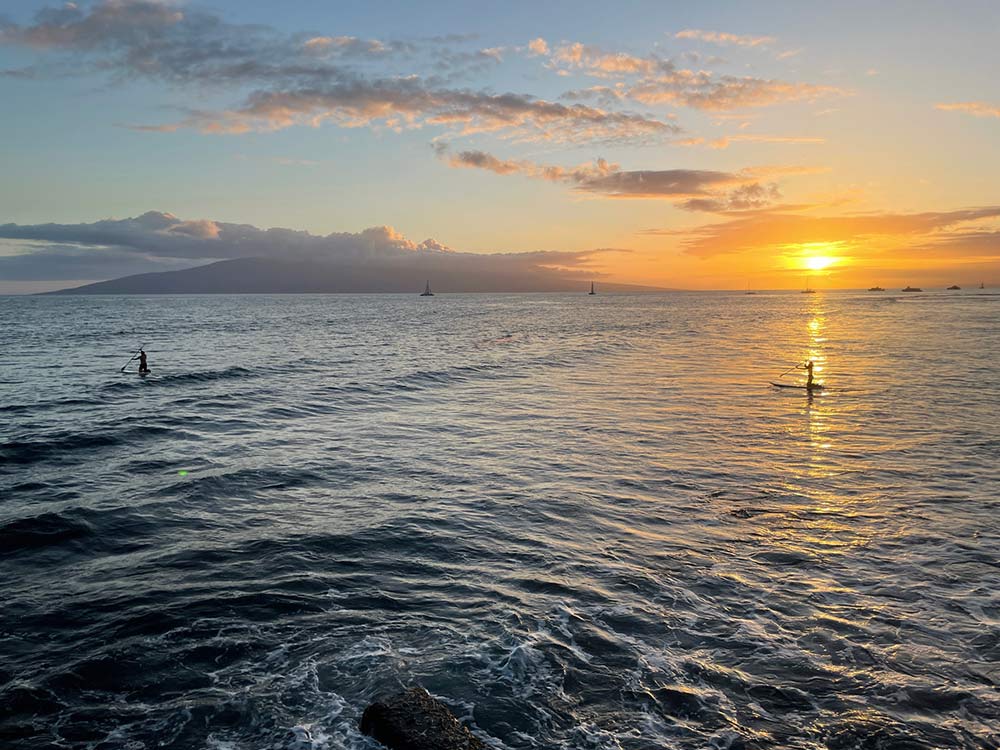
pixel 816 387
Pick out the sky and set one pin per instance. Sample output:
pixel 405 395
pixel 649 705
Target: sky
pixel 690 145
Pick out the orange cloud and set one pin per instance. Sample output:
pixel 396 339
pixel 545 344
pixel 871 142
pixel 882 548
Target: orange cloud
pixel 538 47
pixel 768 230
pixel 727 140
pixel 727 92
pixel 979 109
pixel 723 38
pixel 597 62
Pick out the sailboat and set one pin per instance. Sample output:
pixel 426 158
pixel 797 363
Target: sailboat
pixel 427 291
pixel 981 285
pixel 808 290
pixel 748 289
pixel 592 288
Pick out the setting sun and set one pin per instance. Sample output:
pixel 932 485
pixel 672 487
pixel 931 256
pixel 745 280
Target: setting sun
pixel 818 262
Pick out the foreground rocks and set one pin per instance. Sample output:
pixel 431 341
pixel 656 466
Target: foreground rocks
pixel 413 720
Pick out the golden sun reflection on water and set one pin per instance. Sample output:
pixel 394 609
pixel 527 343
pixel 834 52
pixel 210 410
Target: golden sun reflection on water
pixel 821 521
pixel 817 409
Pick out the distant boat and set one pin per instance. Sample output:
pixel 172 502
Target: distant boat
pixel 808 289
pixel 954 286
pixel 427 291
pixel 913 289
pixel 748 289
pixel 981 285
pixel 592 288
pixel 875 289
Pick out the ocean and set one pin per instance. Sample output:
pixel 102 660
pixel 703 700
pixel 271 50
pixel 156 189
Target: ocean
pixel 581 522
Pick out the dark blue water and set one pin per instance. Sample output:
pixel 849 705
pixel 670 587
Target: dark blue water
pixel 582 522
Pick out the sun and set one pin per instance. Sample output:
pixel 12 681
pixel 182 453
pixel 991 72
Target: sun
pixel 814 256
pixel 818 262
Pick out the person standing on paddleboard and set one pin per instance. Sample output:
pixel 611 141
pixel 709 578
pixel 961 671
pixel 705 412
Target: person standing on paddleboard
pixel 808 367
pixel 143 367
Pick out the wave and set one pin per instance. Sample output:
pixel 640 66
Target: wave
pixel 61 403
pixel 45 530
pixel 182 378
pixel 72 447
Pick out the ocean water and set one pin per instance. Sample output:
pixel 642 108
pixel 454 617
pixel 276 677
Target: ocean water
pixel 582 522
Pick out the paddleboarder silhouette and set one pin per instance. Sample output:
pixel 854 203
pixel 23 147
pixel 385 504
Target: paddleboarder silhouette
pixel 808 367
pixel 143 367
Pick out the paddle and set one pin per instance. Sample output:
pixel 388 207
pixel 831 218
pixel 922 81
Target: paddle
pixel 793 367
pixel 133 357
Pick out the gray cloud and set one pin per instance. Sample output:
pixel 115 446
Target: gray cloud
pixel 378 257
pixel 163 235
pixel 691 189
pixel 310 79
pixel 746 197
pixel 72 263
pixel 408 103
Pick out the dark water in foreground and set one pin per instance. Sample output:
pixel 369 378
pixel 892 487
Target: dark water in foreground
pixel 581 522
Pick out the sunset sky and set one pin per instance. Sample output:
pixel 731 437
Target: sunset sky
pixel 685 145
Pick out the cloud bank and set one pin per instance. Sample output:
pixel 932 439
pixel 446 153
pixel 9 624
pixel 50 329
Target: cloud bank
pixel 690 189
pixel 373 259
pixel 309 79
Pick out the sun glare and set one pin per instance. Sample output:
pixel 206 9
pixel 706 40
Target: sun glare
pixel 814 256
pixel 818 262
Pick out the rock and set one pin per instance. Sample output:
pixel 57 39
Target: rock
pixel 413 720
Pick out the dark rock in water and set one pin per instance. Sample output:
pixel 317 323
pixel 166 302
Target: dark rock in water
pixel 413 720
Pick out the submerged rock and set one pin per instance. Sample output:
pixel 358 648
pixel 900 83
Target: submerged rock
pixel 413 720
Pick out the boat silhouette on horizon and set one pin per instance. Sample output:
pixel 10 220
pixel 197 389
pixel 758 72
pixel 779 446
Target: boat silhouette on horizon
pixel 427 291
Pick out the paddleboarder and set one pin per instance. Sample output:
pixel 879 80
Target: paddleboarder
pixel 808 367
pixel 144 368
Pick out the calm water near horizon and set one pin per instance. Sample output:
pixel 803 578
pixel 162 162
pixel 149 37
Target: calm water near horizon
pixel 582 522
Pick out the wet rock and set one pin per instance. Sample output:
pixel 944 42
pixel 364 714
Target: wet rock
pixel 413 720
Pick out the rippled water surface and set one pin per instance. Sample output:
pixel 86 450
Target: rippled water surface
pixel 583 522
